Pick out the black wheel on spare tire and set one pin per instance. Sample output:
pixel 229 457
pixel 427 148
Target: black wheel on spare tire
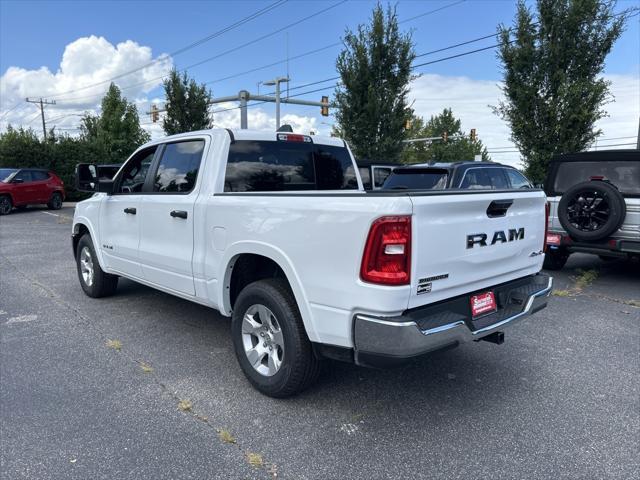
pixel 6 205
pixel 555 259
pixel 94 281
pixel 269 339
pixel 55 203
pixel 591 211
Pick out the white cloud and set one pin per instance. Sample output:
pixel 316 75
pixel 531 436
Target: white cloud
pixel 470 101
pixel 259 119
pixel 85 62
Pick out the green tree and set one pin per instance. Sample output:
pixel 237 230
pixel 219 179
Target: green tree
pixel 115 133
pixel 22 148
pixel 375 71
pixel 552 84
pixel 458 146
pixel 187 105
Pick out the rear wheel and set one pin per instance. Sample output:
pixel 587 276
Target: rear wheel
pixel 55 203
pixel 94 281
pixel 555 259
pixel 5 205
pixel 270 341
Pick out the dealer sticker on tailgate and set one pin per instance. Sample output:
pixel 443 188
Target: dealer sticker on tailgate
pixel 483 303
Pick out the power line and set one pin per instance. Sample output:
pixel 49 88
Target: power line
pixel 231 50
pixel 311 52
pixel 224 30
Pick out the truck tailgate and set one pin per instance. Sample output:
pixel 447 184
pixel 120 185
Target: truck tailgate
pixel 466 241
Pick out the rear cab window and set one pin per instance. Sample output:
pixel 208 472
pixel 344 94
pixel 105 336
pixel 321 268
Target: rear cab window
pixel 516 179
pixel 273 166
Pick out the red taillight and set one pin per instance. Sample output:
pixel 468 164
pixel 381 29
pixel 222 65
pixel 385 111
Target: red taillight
pixel 547 210
pixel 387 253
pixel 293 137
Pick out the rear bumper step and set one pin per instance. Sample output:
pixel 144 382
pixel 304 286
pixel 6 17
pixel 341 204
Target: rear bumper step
pixel 384 341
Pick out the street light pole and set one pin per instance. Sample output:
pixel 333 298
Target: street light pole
pixel 277 81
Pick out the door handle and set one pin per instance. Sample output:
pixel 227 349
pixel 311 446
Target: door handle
pixel 498 208
pixel 178 213
pixel 130 210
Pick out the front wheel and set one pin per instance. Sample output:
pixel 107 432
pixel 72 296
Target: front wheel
pixel 94 281
pixel 555 259
pixel 270 341
pixel 55 203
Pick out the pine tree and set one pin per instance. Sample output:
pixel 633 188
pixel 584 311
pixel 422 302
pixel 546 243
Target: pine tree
pixel 375 71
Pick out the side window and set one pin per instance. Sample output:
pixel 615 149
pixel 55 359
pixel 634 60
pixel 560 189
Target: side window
pixel 178 168
pixel 380 174
pixel 497 178
pixel 135 171
pixel 39 175
pixel 365 176
pixel 24 175
pixel 476 179
pixel 517 179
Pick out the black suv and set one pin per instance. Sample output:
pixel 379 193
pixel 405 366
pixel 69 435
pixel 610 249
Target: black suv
pixel 460 175
pixel 594 202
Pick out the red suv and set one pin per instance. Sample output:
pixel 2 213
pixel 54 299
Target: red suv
pixel 20 187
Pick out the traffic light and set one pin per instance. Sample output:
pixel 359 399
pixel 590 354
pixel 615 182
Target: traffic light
pixel 324 109
pixel 155 114
pixel 445 136
pixel 473 135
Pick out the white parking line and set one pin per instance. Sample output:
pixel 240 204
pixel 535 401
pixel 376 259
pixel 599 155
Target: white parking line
pixel 49 213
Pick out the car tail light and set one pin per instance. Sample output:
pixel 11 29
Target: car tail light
pixel 547 211
pixel 387 253
pixel 294 137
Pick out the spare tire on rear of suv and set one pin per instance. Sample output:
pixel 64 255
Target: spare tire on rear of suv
pixel 591 211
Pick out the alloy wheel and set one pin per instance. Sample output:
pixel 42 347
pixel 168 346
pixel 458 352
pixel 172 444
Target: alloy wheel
pixel 262 340
pixel 86 266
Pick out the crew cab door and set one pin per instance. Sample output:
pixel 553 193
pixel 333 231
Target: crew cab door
pixel 120 215
pixel 167 225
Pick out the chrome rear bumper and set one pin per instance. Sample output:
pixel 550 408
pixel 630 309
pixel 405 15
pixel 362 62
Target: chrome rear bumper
pixel 378 339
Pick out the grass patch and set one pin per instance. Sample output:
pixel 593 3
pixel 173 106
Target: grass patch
pixel 115 344
pixel 185 405
pixel 225 436
pixel 586 278
pixel 561 293
pixel 146 368
pixel 255 460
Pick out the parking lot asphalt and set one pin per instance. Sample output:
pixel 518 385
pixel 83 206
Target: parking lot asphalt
pixel 559 399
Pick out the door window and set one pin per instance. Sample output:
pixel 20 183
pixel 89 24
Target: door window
pixel 135 172
pixel 484 179
pixel 24 175
pixel 517 179
pixel 39 176
pixel 178 168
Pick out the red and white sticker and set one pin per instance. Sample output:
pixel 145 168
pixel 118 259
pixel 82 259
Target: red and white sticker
pixel 483 303
pixel 553 239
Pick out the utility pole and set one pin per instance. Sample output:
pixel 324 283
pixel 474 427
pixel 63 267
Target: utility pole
pixel 277 81
pixel 42 103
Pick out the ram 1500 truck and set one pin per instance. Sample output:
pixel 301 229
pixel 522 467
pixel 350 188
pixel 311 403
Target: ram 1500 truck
pixel 274 230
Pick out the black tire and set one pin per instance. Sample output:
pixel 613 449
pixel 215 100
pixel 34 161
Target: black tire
pixel 55 203
pixel 591 211
pixel 299 366
pixel 101 284
pixel 555 259
pixel 6 205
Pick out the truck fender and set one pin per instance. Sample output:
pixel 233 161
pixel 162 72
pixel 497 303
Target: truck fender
pixel 81 220
pixel 282 260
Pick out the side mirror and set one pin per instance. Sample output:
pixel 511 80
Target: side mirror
pixel 87 180
pixel 86 177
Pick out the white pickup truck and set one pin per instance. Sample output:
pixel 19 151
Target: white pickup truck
pixel 275 230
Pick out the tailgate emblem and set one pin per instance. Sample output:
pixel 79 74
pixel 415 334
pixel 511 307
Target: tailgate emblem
pixel 500 236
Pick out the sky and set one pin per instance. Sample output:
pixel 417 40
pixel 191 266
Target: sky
pixel 68 51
